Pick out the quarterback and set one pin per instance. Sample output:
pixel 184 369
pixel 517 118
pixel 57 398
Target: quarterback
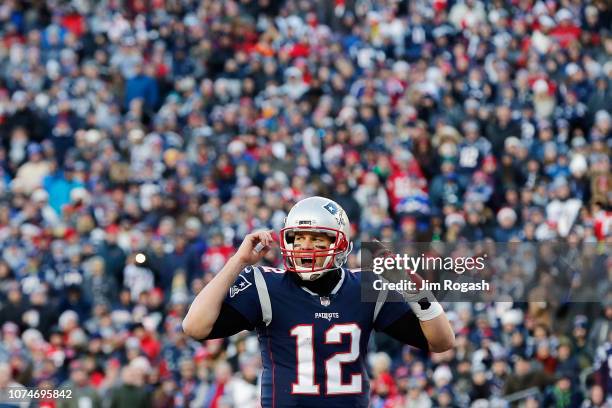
pixel 312 326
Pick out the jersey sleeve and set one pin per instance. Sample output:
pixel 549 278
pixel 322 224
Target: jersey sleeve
pixel 407 329
pixel 244 297
pixel 393 316
pixel 249 296
pixel 229 322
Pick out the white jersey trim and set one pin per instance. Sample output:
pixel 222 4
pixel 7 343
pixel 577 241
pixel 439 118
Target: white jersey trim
pixel 380 301
pixel 264 296
pixel 339 284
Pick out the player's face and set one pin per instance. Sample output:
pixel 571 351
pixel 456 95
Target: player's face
pixel 311 241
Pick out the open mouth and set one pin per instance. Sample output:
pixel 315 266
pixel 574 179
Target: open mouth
pixel 306 261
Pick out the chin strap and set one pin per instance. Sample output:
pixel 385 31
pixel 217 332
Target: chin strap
pixel 340 260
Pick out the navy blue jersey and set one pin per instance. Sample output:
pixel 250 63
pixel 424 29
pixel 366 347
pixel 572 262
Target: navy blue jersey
pixel 313 347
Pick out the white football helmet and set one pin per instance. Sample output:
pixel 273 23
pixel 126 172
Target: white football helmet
pixel 316 214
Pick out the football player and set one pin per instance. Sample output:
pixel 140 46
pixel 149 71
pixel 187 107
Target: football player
pixel 312 326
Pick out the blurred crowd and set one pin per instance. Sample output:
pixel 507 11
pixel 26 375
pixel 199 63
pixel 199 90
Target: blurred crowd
pixel 142 139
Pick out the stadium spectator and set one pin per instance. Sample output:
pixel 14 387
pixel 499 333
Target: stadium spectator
pixel 172 129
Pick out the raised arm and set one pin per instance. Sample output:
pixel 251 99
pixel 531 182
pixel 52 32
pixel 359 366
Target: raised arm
pixel 434 323
pixel 204 310
pixel 439 333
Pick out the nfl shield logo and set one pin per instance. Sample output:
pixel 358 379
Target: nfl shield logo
pixel 325 301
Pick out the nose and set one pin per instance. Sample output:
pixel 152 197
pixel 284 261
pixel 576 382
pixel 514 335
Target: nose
pixel 307 243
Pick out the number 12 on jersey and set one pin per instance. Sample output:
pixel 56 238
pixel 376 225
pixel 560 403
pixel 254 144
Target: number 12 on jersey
pixel 305 355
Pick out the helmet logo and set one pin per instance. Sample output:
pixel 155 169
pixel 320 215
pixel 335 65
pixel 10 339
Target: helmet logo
pixel 332 208
pixel 335 211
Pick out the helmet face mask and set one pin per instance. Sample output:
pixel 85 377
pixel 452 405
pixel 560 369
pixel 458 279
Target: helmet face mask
pixel 314 216
pixel 308 263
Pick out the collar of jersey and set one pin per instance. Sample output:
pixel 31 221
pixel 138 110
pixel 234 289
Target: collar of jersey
pixel 334 290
